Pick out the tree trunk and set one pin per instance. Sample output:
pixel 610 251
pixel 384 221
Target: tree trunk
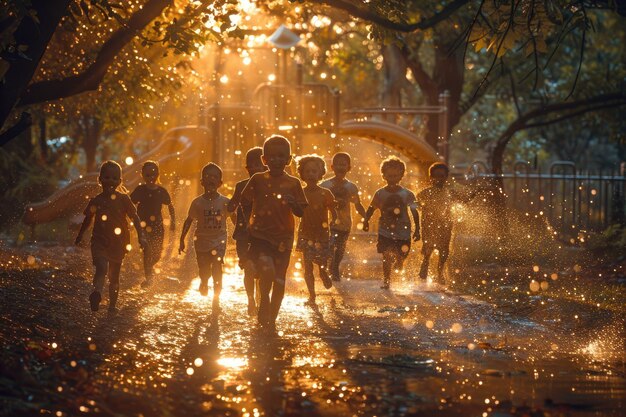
pixel 448 74
pixel 35 36
pixel 394 73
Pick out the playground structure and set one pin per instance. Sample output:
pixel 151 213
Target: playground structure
pixel 308 113
pixel 243 116
pixel 178 153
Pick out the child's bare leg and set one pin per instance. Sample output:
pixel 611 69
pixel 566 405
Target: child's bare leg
pixel 265 268
pixel 338 251
pixel 101 265
pixel 309 278
pixel 216 272
pixel 278 289
pixel 323 268
pixel 249 273
pixel 443 257
pixel 151 255
pixel 204 270
pixel 114 283
pixel 147 261
pixel 388 260
pixel 424 267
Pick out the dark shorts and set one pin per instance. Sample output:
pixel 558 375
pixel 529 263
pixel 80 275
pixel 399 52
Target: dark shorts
pixel 154 242
pixel 400 248
pixel 259 247
pixel 318 252
pixel 339 238
pixel 205 262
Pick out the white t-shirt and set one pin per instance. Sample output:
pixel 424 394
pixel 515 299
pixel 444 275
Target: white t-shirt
pixel 394 220
pixel 345 193
pixel 210 215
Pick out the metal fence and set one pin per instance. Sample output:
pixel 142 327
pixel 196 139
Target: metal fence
pixel 571 199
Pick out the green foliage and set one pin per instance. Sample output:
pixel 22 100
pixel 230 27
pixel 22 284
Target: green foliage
pixel 609 244
pixel 23 181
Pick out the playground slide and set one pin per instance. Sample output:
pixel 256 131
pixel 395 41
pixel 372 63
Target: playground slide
pixel 392 135
pixel 177 154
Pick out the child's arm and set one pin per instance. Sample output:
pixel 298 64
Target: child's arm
pixel 366 219
pixel 331 204
pixel 358 206
pixel 235 199
pixel 297 201
pixel 296 208
pixel 232 214
pixel 186 226
pixel 137 223
pixel 83 227
pixel 416 220
pixel 170 207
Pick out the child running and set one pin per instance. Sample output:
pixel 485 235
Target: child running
pixel 436 204
pixel 209 210
pixel 346 193
pixel 394 229
pixel 254 164
pixel 275 197
pixel 313 233
pixel 110 238
pixel 150 197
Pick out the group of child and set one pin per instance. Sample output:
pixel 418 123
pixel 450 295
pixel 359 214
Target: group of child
pixel 262 208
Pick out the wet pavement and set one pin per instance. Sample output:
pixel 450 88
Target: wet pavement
pixel 487 346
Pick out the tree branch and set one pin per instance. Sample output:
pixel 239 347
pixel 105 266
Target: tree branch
pixel 425 82
pixel 24 123
pixel 514 92
pixel 598 102
pixel 608 105
pixel 370 16
pixel 91 78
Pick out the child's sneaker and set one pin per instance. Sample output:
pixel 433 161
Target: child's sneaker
pixel 204 288
pixel 94 300
pixel 310 303
pixel 146 283
pixel 113 311
pixel 328 283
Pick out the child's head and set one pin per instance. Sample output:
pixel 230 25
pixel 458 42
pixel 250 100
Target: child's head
pixel 276 153
pixel 311 168
pixel 392 170
pixel 341 164
pixel 438 173
pixel 150 172
pixel 110 176
pixel 254 163
pixel 211 178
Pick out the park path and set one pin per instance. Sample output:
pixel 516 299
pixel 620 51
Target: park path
pixel 414 350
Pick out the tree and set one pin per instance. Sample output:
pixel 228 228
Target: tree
pixel 181 27
pixel 510 45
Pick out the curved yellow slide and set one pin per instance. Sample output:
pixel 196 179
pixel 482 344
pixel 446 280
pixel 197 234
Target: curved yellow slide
pixel 177 154
pixel 394 136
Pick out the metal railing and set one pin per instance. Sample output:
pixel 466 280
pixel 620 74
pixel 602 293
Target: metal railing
pixel 572 200
pixel 302 107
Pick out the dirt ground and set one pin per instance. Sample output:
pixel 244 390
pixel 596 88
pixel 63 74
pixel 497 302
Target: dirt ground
pixel 526 341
